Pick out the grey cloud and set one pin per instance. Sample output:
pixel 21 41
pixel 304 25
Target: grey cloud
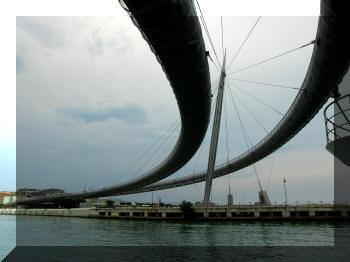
pixel 120 45
pixel 43 30
pixel 66 153
pixel 131 114
pixel 19 65
pixel 95 46
pixel 244 175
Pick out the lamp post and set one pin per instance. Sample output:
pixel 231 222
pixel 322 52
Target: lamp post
pixel 285 191
pixel 90 195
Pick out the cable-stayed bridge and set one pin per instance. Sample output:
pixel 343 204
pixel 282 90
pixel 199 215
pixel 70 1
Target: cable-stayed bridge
pixel 174 33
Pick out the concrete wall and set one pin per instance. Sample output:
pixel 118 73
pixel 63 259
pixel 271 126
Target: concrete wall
pixel 232 212
pixel 74 212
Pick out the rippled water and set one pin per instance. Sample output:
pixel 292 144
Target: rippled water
pixel 7 235
pixel 58 231
pixel 64 231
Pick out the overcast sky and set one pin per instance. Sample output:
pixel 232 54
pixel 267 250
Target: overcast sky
pixel 91 98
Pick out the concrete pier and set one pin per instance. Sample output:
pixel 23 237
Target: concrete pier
pixel 236 212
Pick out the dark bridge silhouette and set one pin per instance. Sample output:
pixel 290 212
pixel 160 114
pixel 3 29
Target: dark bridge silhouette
pixel 173 32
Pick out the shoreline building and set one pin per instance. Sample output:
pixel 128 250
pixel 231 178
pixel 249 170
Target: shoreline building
pixel 7 198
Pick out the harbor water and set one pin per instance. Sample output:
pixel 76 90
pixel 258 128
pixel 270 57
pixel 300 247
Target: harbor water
pixel 7 235
pixel 66 231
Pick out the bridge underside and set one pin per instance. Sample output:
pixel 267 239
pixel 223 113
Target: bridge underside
pixel 328 65
pixel 175 37
pixel 173 32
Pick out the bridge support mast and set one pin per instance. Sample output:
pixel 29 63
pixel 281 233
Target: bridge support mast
pixel 215 133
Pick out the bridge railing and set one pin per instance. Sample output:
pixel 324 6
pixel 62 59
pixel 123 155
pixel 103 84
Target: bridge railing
pixel 337 123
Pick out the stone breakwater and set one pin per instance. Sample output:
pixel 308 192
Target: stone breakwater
pixel 246 212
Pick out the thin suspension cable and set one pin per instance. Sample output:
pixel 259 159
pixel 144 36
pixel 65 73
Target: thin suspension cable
pixel 274 57
pixel 193 185
pixel 207 32
pixel 158 149
pixel 245 134
pixel 211 43
pixel 222 37
pixel 147 151
pixel 210 40
pixel 273 160
pixel 215 88
pixel 266 84
pixel 217 68
pixel 196 163
pixel 257 99
pixel 214 93
pixel 201 147
pixel 251 113
pixel 165 150
pixel 197 190
pixel 265 131
pixel 246 137
pixel 143 166
pixel 245 40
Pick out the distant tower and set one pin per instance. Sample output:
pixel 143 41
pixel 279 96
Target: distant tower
pixel 285 191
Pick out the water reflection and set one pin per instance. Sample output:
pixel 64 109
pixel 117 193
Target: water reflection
pixel 33 230
pixel 8 235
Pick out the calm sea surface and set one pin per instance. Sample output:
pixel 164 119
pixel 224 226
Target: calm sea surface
pixel 7 235
pixel 63 231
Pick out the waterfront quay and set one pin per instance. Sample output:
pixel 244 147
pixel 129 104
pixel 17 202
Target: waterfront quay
pixel 235 212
